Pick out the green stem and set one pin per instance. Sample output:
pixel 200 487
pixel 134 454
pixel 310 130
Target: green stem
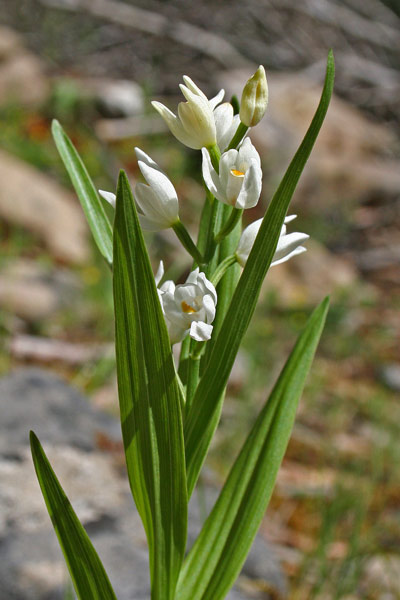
pixel 193 380
pixel 222 269
pixel 230 224
pixel 187 242
pixel 210 244
pixel 215 155
pixel 239 135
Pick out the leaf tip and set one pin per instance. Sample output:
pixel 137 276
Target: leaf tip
pixel 55 126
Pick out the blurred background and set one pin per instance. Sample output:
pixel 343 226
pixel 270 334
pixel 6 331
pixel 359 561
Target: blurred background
pixel 334 521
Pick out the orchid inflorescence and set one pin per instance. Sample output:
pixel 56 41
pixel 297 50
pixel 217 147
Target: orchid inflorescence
pixel 235 180
pixel 170 407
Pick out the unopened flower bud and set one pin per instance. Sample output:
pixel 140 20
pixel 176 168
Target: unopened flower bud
pixel 254 98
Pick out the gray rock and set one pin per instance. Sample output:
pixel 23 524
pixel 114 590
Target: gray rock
pixel 31 563
pixel 390 375
pixel 22 74
pixel 32 291
pixel 32 200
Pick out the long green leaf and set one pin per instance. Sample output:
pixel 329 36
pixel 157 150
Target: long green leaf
pixel 87 572
pixel 95 214
pixel 150 400
pixel 201 421
pixel 219 552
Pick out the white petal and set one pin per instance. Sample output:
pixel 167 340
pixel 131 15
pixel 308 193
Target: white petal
pixel 149 224
pixel 290 218
pixel 247 154
pixel 145 158
pixel 192 277
pixel 148 203
pixel 174 124
pixel 209 307
pixel 246 241
pixel 251 188
pixel 208 286
pixel 288 243
pixel 295 252
pixel 109 197
pixel 192 86
pixel 168 287
pixel 160 273
pixel 200 331
pixel 176 333
pixel 210 176
pixel 197 120
pixel 226 124
pixel 233 186
pixel 167 200
pixel 227 162
pixel 217 99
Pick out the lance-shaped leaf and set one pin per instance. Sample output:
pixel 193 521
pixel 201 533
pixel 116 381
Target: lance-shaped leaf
pixel 87 573
pixel 219 552
pixel 150 400
pixel 201 421
pixel 95 214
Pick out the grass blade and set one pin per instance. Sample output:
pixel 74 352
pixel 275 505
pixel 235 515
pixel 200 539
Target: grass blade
pixel 88 575
pixel 150 400
pixel 219 552
pixel 95 214
pixel 201 421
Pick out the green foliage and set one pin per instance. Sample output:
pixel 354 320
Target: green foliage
pixel 88 575
pixel 95 214
pixel 150 400
pixel 222 546
pixel 165 441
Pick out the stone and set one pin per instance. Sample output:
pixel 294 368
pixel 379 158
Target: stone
pixel 116 97
pixel 31 563
pixel 390 375
pixel 22 73
pixel 32 200
pixel 34 292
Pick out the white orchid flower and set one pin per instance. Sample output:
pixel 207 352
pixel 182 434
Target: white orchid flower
pixel 289 244
pixel 157 200
pixel 188 307
pixel 239 180
pixel 226 124
pixel 194 126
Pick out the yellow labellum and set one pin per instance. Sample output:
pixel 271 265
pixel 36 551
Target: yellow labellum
pixel 237 173
pixel 187 308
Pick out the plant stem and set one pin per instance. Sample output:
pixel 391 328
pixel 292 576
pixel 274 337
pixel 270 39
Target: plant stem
pixel 187 242
pixel 239 135
pixel 192 381
pixel 222 269
pixel 215 155
pixel 229 225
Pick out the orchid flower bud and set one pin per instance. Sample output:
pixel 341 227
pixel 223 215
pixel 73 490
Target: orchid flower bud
pixel 289 244
pixel 189 308
pixel 239 180
pixel 157 200
pixel 194 126
pixel 254 98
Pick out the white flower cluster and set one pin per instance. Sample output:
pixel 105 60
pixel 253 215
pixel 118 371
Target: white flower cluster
pixel 236 180
pixel 188 307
